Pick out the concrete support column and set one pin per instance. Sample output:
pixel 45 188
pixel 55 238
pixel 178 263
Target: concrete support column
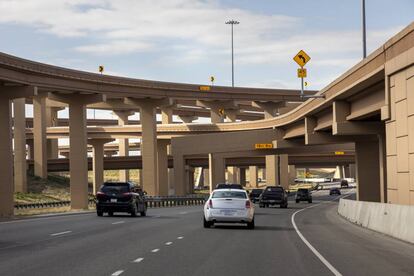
pixel 277 170
pixel 215 107
pixel 190 177
pixel 352 171
pixel 78 156
pixel 166 115
pixel 162 167
pixel 52 144
pixel 253 176
pixel 6 159
pixel 149 141
pixel 167 118
pixel 217 170
pixel 206 177
pixel 233 175
pixel 98 162
pixel 215 116
pixel 123 144
pixel 292 174
pixel 368 171
pixel 39 135
pixel 20 163
pixel 242 176
pixel 231 114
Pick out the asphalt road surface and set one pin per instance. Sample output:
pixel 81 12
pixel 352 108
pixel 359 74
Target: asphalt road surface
pixel 172 241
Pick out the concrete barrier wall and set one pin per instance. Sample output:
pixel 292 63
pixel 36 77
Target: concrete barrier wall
pixel 390 219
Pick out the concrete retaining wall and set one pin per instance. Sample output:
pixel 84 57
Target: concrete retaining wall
pixel 390 219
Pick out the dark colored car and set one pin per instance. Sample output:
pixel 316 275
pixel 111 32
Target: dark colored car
pixel 334 191
pixel 229 186
pixel 255 194
pixel 344 183
pixel 273 195
pixel 303 195
pixel 120 197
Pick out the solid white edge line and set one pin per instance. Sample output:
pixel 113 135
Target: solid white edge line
pixel 61 233
pixel 138 260
pixel 117 273
pixel 317 254
pixel 155 250
pixel 118 222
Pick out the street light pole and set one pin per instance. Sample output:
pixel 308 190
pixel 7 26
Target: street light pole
pixel 232 22
pixel 364 35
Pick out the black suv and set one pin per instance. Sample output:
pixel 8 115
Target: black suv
pixel 303 195
pixel 255 194
pixel 344 183
pixel 273 195
pixel 229 186
pixel 120 197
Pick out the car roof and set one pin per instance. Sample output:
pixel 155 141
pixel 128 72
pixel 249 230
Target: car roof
pixel 229 189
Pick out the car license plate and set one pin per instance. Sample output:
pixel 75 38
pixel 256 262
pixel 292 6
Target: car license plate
pixel 227 212
pixel 114 200
pixel 272 200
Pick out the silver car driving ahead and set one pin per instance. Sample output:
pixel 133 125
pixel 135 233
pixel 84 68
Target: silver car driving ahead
pixel 229 206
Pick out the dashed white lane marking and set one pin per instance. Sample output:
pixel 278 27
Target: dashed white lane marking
pixel 316 252
pixel 61 233
pixel 117 273
pixel 168 243
pixel 180 238
pixel 183 213
pixel 138 260
pixel 155 250
pixel 118 222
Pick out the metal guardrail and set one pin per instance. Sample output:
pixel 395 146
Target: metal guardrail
pixel 152 202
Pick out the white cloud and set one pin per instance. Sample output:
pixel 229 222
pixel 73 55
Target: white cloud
pixel 115 47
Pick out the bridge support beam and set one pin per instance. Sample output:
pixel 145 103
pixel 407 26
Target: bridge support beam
pixel 78 160
pixel 167 118
pixel 188 119
pixel 162 150
pixel 7 94
pixel 368 171
pixel 253 183
pixel 149 140
pixel 20 163
pixel 292 174
pixel 217 169
pixel 242 172
pixel 39 135
pixel 52 145
pixel 123 144
pixel 277 170
pixel 98 162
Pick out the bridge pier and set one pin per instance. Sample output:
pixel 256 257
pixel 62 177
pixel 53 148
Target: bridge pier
pixel 98 162
pixel 149 140
pixel 20 163
pixel 39 135
pixel 52 145
pixel 167 118
pixel 162 151
pixel 242 172
pixel 7 94
pixel 217 169
pixel 277 172
pixel 253 170
pixel 78 161
pixel 123 144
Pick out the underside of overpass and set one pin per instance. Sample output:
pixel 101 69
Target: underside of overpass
pixel 367 111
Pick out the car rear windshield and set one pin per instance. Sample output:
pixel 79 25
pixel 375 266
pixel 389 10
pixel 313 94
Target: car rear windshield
pixel 303 191
pixel 115 189
pixel 257 192
pixel 229 194
pixel 274 190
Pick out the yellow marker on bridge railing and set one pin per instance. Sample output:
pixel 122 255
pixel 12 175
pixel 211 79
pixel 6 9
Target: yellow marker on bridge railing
pixel 339 153
pixel 204 88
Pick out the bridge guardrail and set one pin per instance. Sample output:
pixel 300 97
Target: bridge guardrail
pixel 152 202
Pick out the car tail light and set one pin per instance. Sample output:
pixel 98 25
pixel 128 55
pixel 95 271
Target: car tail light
pixel 248 204
pixel 126 194
pixel 99 194
pixel 210 203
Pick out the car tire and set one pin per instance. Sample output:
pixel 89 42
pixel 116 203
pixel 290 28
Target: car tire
pixel 206 223
pixel 144 213
pixel 261 205
pixel 134 210
pixel 99 213
pixel 310 201
pixel 250 225
pixel 297 201
pixel 284 205
pixel 110 214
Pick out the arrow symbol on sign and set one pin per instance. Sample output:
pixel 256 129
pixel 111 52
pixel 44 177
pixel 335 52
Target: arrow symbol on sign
pixel 302 58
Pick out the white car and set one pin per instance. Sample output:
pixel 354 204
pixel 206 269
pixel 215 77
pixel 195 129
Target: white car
pixel 229 206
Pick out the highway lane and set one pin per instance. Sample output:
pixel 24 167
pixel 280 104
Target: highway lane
pixel 172 241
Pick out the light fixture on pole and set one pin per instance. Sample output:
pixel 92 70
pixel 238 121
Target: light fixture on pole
pixel 232 23
pixel 364 33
